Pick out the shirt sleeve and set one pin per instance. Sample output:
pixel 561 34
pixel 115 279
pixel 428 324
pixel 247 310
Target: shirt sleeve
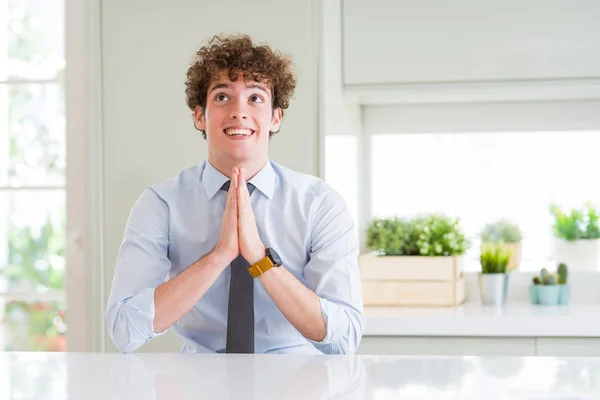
pixel 142 265
pixel 333 274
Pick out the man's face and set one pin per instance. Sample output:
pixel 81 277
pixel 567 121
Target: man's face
pixel 237 120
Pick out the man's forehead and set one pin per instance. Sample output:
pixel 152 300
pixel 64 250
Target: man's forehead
pixel 223 79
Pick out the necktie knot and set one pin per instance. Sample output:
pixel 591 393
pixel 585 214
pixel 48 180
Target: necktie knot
pixel 227 184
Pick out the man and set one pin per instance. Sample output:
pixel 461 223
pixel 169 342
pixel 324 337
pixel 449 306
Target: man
pixel 239 254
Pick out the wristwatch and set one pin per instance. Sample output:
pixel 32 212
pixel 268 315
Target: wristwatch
pixel 271 260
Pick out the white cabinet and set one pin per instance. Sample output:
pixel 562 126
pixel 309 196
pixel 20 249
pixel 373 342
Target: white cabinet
pixel 436 41
pixel 471 346
pixel 439 346
pixel 568 347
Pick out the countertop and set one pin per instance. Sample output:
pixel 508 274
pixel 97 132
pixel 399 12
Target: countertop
pixel 472 319
pixel 218 376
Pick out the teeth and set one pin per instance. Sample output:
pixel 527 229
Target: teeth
pixel 237 132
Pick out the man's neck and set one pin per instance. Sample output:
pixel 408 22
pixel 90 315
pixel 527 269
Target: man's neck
pixel 251 167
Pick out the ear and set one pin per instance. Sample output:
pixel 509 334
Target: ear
pixel 199 119
pixel 276 120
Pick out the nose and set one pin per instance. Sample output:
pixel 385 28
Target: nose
pixel 238 111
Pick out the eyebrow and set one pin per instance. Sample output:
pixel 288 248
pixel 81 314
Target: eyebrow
pixel 257 86
pixel 219 86
pixel 224 85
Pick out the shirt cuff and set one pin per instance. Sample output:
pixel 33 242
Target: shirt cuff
pixel 329 312
pixel 140 313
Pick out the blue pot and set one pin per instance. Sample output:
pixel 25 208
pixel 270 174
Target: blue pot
pixel 548 295
pixel 565 294
pixel 533 294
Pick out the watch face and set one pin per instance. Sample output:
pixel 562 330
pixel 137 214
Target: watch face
pixel 274 257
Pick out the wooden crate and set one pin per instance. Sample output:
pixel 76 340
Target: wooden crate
pixel 411 268
pixel 414 293
pixel 412 280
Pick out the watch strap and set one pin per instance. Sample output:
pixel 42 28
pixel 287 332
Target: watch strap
pixel 261 267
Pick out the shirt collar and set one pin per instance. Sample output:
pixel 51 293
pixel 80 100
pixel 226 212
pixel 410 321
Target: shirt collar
pixel 213 180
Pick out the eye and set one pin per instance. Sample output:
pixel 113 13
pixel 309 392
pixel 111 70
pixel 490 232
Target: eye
pixel 256 98
pixel 221 97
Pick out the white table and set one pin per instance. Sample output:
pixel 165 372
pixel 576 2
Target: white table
pixel 217 376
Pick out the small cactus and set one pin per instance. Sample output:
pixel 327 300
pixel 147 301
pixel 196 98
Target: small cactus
pixel 544 276
pixel 562 274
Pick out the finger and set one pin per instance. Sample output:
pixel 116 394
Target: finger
pixel 229 199
pixel 242 176
pixel 231 194
pixel 240 192
pixel 233 190
pixel 234 178
pixel 244 193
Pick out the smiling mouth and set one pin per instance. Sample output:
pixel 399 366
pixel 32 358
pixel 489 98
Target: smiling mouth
pixel 238 132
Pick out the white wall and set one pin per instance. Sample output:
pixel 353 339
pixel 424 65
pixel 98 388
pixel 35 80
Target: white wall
pixel 435 51
pixel 428 41
pixel 147 128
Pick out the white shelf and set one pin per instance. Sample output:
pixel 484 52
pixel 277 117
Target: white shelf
pixel 512 320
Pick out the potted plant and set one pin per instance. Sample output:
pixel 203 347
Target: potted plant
pixel 577 237
pixel 551 289
pixel 414 261
pixel 493 278
pixel 506 232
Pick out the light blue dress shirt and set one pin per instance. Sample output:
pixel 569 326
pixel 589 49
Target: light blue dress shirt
pixel 176 222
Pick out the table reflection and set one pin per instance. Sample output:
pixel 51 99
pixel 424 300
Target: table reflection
pixel 184 376
pixel 289 377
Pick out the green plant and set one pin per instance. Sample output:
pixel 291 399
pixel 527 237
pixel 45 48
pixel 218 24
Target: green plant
pixel 38 326
pixel 392 237
pixel 576 223
pixel 562 272
pixel 36 256
pixel 440 235
pixel 494 258
pixel 434 234
pixel 502 230
pixel 549 278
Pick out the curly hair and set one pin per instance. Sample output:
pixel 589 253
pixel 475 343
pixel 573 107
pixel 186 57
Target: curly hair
pixel 235 54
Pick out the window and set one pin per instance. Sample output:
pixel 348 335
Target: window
pixel 32 176
pixel 477 162
pixel 480 177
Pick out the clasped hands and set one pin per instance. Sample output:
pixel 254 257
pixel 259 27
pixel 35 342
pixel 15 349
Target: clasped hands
pixel 239 234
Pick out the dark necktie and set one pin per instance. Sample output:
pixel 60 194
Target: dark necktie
pixel 240 311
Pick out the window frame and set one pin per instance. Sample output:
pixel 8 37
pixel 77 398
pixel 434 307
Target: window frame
pixel 85 289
